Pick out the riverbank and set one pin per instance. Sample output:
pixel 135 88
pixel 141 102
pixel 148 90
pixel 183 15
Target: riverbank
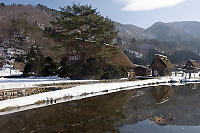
pixel 81 91
pixel 21 87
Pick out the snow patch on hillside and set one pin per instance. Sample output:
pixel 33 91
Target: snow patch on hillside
pixel 8 70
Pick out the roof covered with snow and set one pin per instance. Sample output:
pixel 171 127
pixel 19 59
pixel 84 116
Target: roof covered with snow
pixel 194 63
pixel 164 60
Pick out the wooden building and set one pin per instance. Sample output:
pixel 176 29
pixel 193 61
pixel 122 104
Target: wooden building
pixel 142 71
pixel 192 66
pixel 161 66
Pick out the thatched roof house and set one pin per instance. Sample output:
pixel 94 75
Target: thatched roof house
pixel 122 59
pixel 161 66
pixel 192 65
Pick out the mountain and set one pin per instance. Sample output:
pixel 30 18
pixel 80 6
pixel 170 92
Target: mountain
pixel 176 31
pixel 173 31
pixel 22 28
pixel 131 31
pixel 178 40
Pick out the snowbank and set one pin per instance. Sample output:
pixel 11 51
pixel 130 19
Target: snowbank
pixel 11 83
pixel 79 91
pixel 76 92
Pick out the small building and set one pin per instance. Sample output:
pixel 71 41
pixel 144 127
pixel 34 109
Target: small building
pixel 161 66
pixel 192 66
pixel 142 71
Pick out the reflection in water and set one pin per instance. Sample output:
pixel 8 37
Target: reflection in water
pixel 148 126
pixel 98 114
pixel 162 93
pixel 149 110
pixel 181 110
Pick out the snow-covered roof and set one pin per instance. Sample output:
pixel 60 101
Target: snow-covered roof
pixel 161 55
pixel 164 60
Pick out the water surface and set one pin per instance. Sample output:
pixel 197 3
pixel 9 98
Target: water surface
pixel 149 110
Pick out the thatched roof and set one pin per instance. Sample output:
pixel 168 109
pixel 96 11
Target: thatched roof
pixel 141 66
pixel 164 60
pixel 194 63
pixel 121 59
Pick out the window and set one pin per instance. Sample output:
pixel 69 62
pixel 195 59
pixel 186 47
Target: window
pixel 74 58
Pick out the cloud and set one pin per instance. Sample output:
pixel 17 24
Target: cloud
pixel 144 5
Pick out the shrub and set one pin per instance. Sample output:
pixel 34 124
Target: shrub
pixel 50 67
pixel 111 72
pixel 93 68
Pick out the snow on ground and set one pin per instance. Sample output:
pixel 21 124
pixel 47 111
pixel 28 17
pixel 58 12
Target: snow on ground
pixel 11 83
pixel 8 70
pixel 184 77
pixel 77 91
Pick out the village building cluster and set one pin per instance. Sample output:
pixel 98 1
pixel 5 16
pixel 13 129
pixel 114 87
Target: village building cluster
pixel 161 66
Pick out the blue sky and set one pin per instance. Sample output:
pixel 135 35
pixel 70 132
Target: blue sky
pixel 142 13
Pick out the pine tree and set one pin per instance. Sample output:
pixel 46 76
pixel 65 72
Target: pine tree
pixel 83 29
pixel 50 67
pixel 34 62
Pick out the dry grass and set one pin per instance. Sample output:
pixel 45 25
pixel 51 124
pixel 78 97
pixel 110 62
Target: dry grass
pixel 121 59
pixel 9 108
pixel 40 102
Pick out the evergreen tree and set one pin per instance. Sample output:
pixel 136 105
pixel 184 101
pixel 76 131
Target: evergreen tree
pixel 82 28
pixel 50 67
pixel 34 62
pixel 2 5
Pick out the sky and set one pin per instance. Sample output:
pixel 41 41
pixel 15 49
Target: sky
pixel 142 13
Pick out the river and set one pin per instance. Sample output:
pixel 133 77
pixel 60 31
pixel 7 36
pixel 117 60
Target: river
pixel 174 109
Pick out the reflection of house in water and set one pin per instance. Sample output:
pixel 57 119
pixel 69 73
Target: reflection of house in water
pixel 92 115
pixel 193 86
pixel 181 109
pixel 162 93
